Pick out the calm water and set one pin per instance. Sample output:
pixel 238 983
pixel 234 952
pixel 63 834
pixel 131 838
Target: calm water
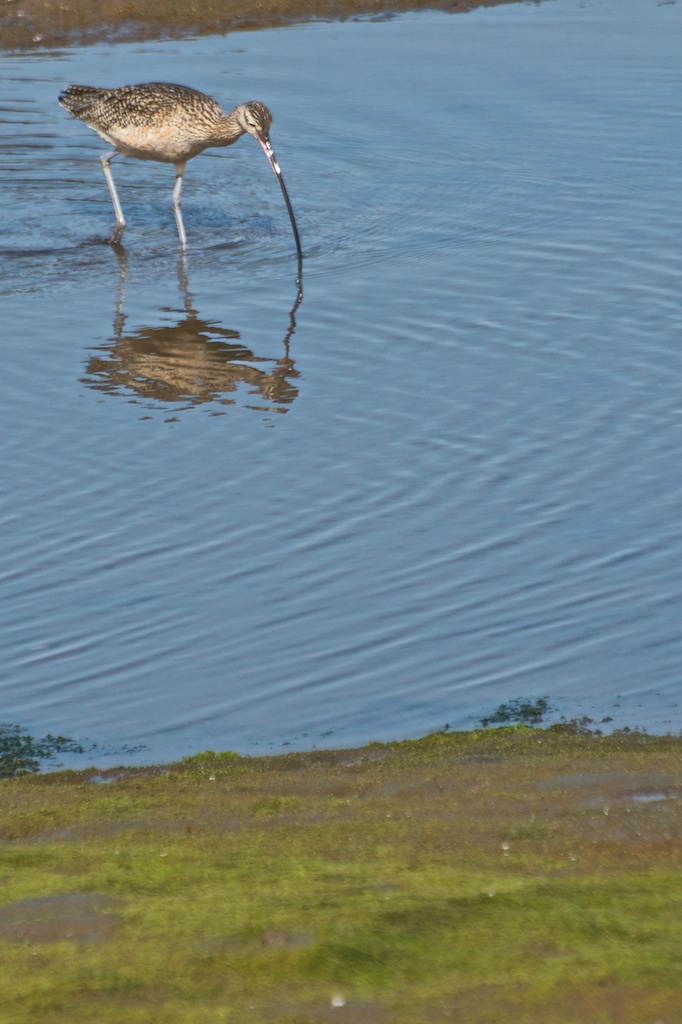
pixel 451 476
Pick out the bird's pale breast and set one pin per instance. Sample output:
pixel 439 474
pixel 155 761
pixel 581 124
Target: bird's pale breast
pixel 165 142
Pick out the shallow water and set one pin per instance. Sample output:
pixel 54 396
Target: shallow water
pixel 447 478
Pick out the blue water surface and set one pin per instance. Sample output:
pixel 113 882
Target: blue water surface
pixel 449 477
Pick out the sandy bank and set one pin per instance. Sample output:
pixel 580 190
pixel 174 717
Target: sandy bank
pixel 27 24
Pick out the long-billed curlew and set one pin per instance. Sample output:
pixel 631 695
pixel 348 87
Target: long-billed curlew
pixel 171 124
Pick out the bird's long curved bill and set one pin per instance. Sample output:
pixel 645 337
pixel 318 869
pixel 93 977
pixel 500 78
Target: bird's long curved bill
pixel 268 150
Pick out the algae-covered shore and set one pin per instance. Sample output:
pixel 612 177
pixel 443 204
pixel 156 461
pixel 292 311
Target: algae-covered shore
pixel 53 23
pixel 510 875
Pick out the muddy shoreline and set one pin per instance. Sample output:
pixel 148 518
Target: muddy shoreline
pixel 48 24
pixel 500 875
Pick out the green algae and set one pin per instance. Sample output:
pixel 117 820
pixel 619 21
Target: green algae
pixel 21 753
pixel 498 875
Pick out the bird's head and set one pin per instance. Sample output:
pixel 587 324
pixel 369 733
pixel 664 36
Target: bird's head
pixel 256 119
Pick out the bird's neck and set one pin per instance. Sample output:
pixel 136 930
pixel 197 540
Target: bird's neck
pixel 228 129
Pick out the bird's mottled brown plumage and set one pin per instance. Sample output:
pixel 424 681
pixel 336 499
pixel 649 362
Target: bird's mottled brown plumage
pixel 168 123
pixel 161 121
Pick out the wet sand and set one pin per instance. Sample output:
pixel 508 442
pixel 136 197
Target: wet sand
pixel 27 24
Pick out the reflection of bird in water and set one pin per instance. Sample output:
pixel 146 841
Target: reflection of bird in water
pixel 193 361
pixel 170 124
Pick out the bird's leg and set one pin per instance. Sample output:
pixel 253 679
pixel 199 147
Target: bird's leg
pixel 120 219
pixel 179 168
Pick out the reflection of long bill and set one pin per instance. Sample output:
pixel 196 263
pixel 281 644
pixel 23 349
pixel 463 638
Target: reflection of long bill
pixel 268 150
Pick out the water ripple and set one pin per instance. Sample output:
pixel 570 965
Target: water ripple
pixel 444 476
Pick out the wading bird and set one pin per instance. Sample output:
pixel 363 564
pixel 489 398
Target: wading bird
pixel 171 124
